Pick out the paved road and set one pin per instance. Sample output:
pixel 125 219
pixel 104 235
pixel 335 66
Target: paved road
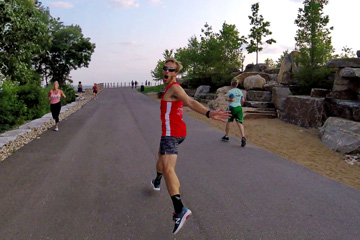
pixel 91 180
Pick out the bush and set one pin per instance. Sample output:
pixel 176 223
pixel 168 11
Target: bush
pixel 26 102
pixel 69 92
pixel 12 110
pixel 317 78
pixel 35 99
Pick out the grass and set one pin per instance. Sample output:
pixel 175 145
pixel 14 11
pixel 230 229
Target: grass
pixel 152 89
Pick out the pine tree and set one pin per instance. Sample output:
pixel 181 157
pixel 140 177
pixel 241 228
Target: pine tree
pixel 258 31
pixel 314 43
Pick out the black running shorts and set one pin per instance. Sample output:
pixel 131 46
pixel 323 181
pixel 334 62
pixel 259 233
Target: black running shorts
pixel 169 145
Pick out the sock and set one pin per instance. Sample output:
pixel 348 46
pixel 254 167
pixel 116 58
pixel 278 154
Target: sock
pixel 158 178
pixel 178 205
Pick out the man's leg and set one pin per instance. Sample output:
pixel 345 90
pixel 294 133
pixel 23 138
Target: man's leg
pixel 159 172
pixel 241 128
pixel 242 132
pixel 227 128
pixel 171 179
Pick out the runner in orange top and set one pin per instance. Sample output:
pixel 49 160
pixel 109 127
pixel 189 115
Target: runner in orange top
pixel 173 133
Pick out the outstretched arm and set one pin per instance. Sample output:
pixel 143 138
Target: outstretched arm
pixel 219 114
pixel 62 94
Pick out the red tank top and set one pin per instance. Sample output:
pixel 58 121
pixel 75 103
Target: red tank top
pixel 172 117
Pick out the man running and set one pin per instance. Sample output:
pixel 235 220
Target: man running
pixel 173 134
pixel 235 98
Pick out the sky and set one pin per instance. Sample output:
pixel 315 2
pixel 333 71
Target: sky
pixel 132 35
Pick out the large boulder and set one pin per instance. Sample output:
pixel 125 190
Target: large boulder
pixel 350 72
pixel 279 94
pixel 270 85
pixel 341 108
pixel 254 82
pixel 319 92
pixel 304 111
pixel 201 90
pixel 344 62
pixel 287 69
pixel 260 67
pixel 260 96
pixel 241 77
pixel 341 135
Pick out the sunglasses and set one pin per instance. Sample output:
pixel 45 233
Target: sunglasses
pixel 165 68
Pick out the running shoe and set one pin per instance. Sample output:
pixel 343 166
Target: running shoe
pixel 155 186
pixel 243 141
pixel 180 219
pixel 56 128
pixel 225 138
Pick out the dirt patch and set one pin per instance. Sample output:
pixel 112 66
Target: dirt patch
pixel 297 144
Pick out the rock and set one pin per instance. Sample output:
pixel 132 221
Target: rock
pixel 190 92
pixel 358 53
pixel 256 104
pixel 270 85
pixel 274 71
pixel 350 72
pixel 279 94
pixel 304 111
pixel 261 67
pixel 254 82
pixel 241 77
pixel 342 108
pixel 287 69
pixel 344 62
pixel 261 96
pixel 213 105
pixel 341 135
pixel 201 90
pixel 319 92
pixel 343 95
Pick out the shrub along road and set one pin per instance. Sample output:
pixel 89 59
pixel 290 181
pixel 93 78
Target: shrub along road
pixel 91 180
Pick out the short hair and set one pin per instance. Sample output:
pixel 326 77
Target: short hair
pixel 178 64
pixel 234 83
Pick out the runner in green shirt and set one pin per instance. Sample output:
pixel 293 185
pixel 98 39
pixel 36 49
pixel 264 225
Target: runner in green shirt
pixel 236 98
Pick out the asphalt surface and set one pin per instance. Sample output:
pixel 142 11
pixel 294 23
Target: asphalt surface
pixel 91 180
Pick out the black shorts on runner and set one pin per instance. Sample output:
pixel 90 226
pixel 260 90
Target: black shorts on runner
pixel 169 145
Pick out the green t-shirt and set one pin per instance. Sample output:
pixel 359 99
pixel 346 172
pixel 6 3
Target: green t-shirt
pixel 238 95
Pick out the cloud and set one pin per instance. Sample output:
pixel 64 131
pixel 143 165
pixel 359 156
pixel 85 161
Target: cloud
pixel 297 1
pixel 155 1
pixel 129 43
pixel 126 3
pixel 61 5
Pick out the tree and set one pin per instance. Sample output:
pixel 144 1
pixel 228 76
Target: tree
pixel 69 50
pixel 209 59
pixel 258 31
pixel 157 72
pixel 347 52
pixel 22 33
pixel 314 43
pixel 270 63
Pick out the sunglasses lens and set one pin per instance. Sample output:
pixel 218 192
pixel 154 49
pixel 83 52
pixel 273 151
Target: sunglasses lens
pixel 169 69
